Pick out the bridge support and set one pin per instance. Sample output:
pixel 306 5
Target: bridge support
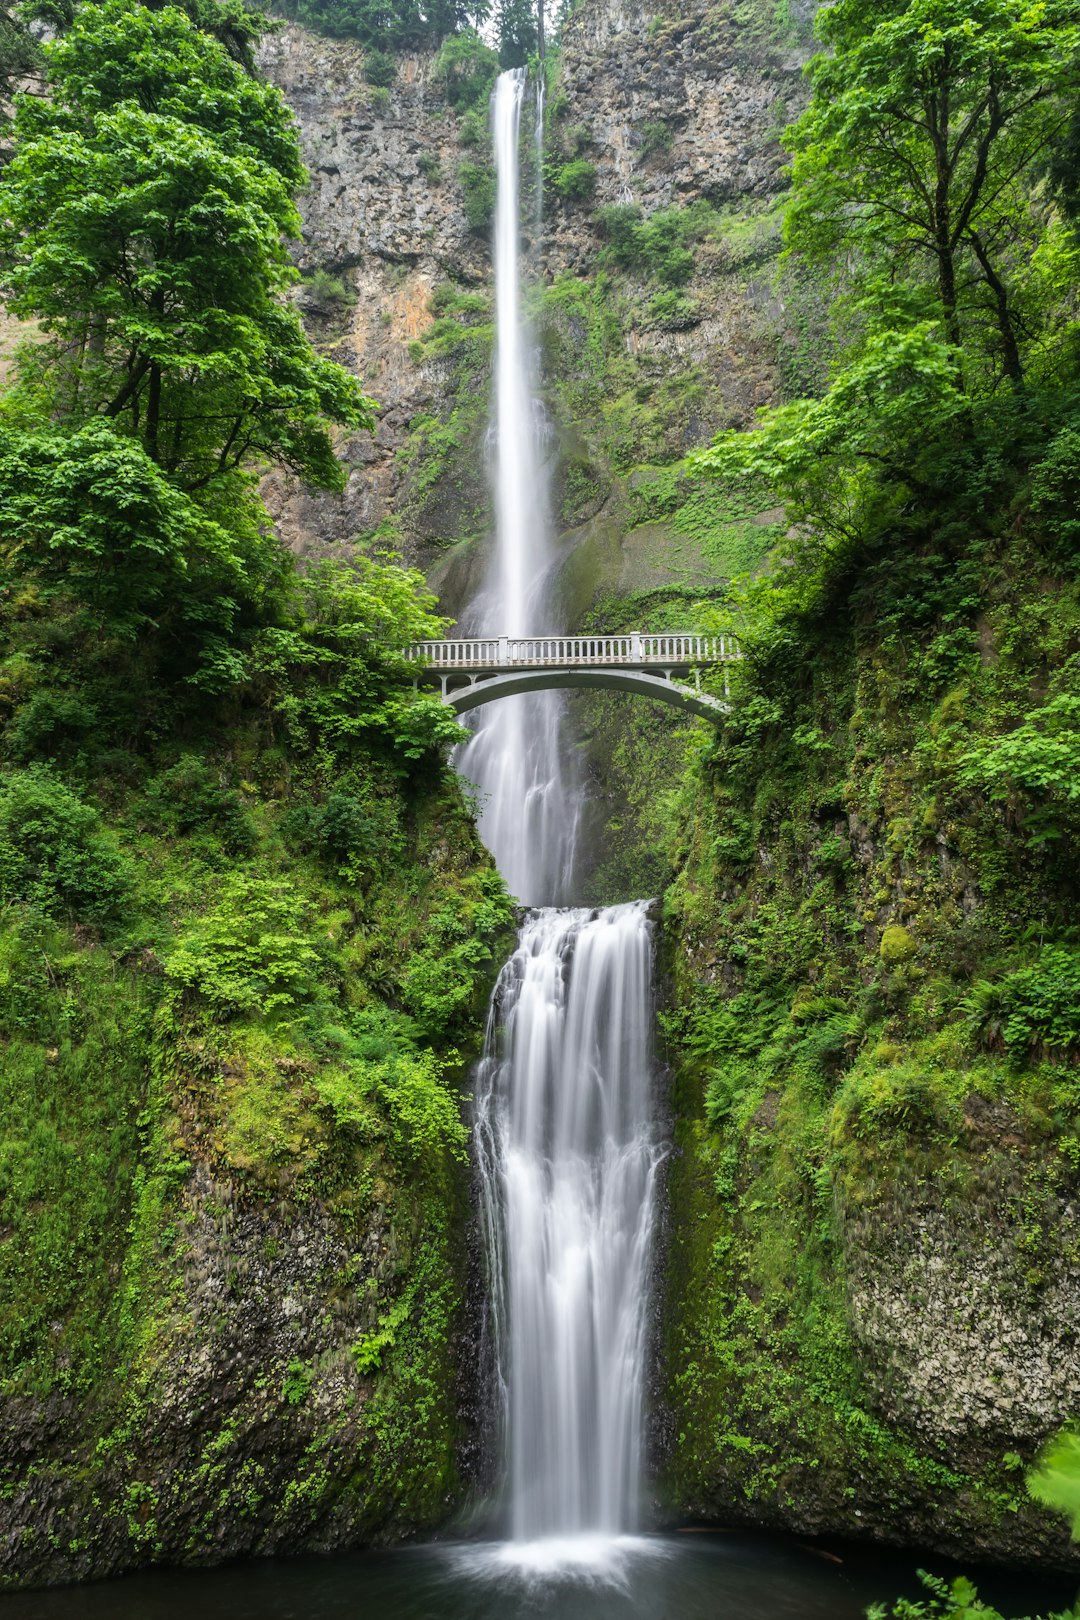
pixel 661 688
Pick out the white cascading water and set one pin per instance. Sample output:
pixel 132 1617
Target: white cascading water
pixel 568 1166
pixel 516 757
pixel 566 1151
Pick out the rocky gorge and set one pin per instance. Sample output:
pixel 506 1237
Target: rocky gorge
pixel 865 1308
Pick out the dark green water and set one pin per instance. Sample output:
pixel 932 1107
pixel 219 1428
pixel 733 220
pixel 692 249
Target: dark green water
pixel 711 1576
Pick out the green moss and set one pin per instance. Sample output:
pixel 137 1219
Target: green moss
pixel 183 1073
pixel 896 945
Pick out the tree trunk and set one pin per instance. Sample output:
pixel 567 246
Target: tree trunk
pixel 153 411
pixel 1010 349
pixel 938 124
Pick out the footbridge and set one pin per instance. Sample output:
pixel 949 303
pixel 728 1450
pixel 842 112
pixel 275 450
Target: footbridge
pixel 477 670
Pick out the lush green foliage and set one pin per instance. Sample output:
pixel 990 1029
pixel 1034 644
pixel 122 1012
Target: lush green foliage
pixel 465 68
pixel 948 1600
pixel 876 861
pixel 55 854
pixel 1035 768
pixel 387 24
pixel 478 184
pixel 921 155
pixel 927 120
pixel 250 952
pixel 574 181
pixel 1055 1480
pixel 659 244
pixel 144 213
pixel 245 920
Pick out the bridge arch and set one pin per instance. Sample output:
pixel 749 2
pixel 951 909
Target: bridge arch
pixel 487 689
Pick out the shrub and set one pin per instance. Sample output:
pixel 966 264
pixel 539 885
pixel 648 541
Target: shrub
pixel 323 287
pixel 1034 1007
pixel 250 952
pixel 897 945
pixel 1039 761
pixel 1055 1479
pixel 344 826
pixel 425 1114
pixel 191 797
pixel 472 129
pixel 657 245
pixel 655 137
pixel 297 1384
pixel 49 724
pixel 478 184
pixel 725 1089
pixel 55 853
pixel 672 311
pixel 345 831
pixel 429 167
pixel 575 181
pixel 1055 490
pixel 380 69
pixel 442 979
pixel 466 69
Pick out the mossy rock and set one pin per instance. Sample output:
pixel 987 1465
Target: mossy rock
pixel 897 945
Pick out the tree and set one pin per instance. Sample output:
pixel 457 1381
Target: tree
pixel 20 55
pixel 390 24
pixel 872 442
pixel 466 68
pixel 143 221
pixel 238 25
pixel 91 520
pixel 516 31
pixel 918 150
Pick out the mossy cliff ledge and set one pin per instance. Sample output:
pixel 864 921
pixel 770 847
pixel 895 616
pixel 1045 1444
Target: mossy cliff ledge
pixel 238 1306
pixel 873 1284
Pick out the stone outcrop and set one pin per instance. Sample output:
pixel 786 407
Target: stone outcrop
pixel 383 224
pixel 669 109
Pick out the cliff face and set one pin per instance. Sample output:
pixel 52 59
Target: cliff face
pixel 874 1270
pixel 239 1302
pixel 667 111
pixel 384 224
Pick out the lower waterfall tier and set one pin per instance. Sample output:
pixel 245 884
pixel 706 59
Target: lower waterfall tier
pixel 568 1156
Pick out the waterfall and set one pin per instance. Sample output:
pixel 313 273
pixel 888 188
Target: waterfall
pixel 566 1153
pixel 568 1166
pixel 517 756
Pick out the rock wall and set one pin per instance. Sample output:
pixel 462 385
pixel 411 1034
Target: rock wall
pixel 383 223
pixel 874 1266
pixel 670 108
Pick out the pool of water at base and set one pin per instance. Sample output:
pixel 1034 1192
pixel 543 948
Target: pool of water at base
pixel 708 1575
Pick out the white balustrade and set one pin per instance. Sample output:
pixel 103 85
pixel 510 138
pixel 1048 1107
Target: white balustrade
pixel 635 649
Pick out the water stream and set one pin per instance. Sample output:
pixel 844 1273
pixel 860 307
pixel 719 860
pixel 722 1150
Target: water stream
pixel 568 1163
pixel 565 1147
pixel 518 757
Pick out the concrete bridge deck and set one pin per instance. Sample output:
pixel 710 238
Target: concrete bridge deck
pixel 478 669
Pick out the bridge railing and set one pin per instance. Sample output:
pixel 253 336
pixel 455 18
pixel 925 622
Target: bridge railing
pixel 635 648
